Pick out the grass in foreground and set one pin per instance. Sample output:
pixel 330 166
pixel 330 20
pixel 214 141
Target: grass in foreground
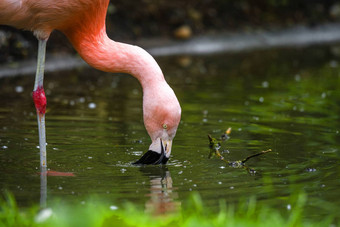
pixel 99 213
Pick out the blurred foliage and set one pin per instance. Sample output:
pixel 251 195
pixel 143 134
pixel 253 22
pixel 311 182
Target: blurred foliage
pixel 95 212
pixel 161 18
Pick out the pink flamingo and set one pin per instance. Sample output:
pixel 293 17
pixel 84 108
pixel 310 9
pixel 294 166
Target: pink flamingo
pixel 83 23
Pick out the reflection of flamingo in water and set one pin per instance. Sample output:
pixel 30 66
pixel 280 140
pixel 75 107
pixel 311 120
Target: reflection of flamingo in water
pixel 83 22
pixel 162 193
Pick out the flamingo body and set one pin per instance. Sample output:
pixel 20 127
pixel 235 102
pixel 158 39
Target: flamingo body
pixel 83 22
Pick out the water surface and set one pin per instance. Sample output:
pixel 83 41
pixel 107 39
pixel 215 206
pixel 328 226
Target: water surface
pixel 286 99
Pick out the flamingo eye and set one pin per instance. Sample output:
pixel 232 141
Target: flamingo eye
pixel 165 126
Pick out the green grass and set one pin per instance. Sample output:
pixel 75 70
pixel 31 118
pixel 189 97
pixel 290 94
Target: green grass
pixel 95 212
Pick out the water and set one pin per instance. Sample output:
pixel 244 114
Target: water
pixel 287 100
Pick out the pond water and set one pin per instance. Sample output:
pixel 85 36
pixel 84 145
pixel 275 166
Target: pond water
pixel 287 100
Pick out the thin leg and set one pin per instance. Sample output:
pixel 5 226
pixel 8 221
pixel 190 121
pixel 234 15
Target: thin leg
pixel 43 187
pixel 39 99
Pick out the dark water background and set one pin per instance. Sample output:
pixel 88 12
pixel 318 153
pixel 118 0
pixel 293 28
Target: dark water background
pixel 285 99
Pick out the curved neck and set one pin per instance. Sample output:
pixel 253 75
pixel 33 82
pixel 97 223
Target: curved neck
pixel 107 55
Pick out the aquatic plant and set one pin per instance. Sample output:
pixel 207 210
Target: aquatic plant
pixel 215 145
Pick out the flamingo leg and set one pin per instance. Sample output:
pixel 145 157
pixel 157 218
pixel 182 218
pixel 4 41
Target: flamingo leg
pixel 39 99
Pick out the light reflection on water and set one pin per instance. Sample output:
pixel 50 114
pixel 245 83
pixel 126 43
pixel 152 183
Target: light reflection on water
pixel 286 100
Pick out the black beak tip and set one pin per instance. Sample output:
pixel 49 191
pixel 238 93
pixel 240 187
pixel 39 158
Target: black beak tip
pixel 152 158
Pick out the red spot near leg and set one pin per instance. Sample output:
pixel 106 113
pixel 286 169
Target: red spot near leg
pixel 39 99
pixel 58 174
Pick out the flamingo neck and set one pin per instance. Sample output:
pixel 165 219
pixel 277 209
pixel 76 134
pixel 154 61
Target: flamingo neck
pixel 107 55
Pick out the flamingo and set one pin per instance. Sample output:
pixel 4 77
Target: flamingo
pixel 83 23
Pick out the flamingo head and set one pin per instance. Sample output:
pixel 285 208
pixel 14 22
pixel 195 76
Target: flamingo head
pixel 162 114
